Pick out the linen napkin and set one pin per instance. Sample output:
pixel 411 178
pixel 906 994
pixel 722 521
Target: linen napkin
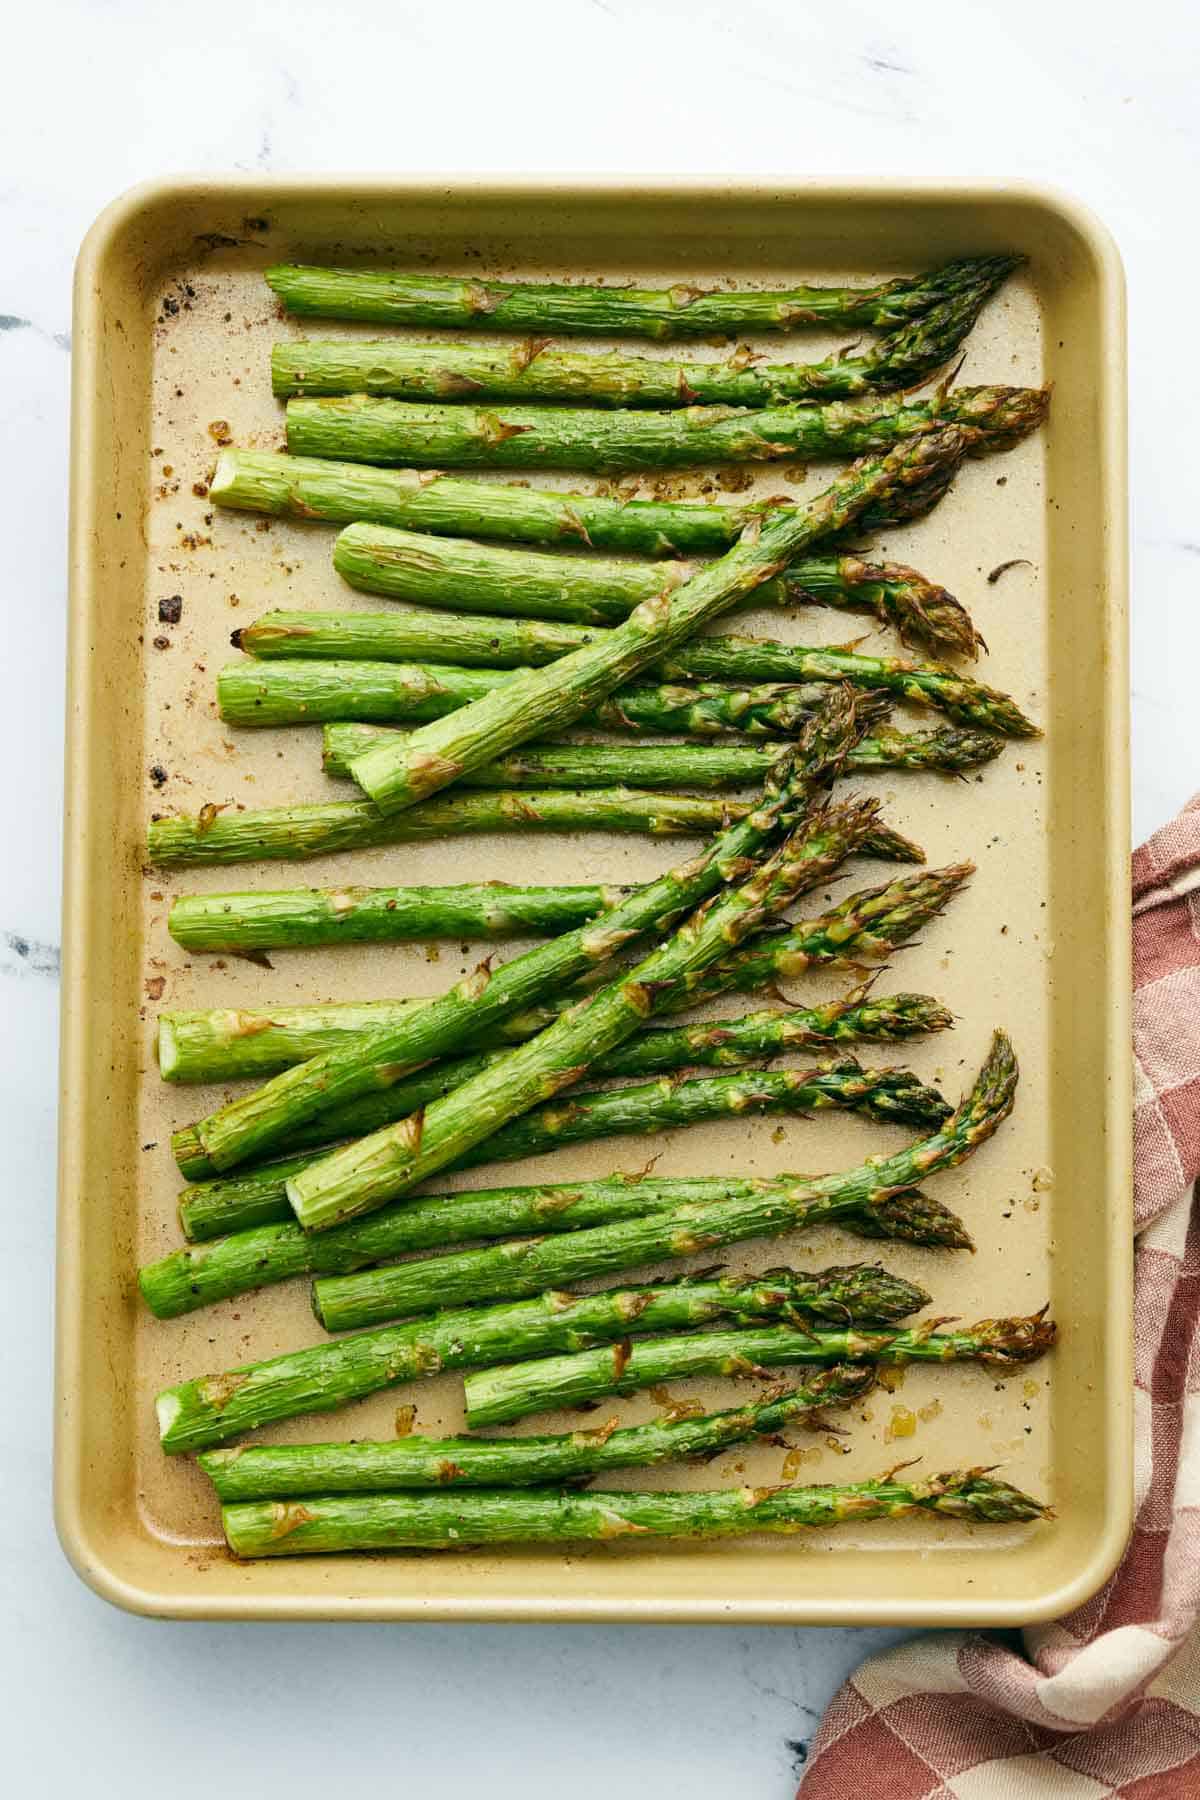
pixel 1107 1700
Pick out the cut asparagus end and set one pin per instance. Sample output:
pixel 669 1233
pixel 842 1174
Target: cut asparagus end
pixel 223 487
pixel 167 1406
pixel 168 1049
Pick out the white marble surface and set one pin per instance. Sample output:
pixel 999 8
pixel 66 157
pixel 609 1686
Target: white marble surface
pixel 1096 98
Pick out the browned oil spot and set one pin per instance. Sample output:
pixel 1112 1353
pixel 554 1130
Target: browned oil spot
pixel 218 1390
pixel 287 1516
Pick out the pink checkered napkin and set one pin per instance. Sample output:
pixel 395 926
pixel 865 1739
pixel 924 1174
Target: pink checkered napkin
pixel 1106 1701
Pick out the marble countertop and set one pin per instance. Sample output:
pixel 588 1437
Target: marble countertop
pixel 592 85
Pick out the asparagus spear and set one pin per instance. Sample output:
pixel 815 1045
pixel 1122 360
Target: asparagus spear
pixel 533 371
pixel 441 752
pixel 302 917
pixel 575 766
pixel 214 1408
pixel 291 833
pixel 482 1001
pixel 893 1095
pixel 554 1516
pixel 948 750
pixel 855 1293
pixel 261 1254
pixel 408 634
pixel 461 574
pixel 226 1045
pixel 311 693
pixel 421 434
pixel 299 692
pixel 308 487
pixel 396 297
pixel 498 1395
pixel 967 702
pixel 274 1471
pixel 528 1268
pixel 363 1175
pixel 334 1523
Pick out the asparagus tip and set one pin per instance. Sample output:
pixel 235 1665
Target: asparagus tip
pixel 1007 1343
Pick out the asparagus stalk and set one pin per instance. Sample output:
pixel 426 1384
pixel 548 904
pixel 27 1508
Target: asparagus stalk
pixel 895 1096
pixel 292 833
pixel 299 918
pixel 263 1254
pixel 554 1516
pixel 396 297
pixel 574 766
pixel 499 1395
pixel 198 1414
pixel 226 1045
pixel 299 692
pixel 422 434
pixel 460 574
pixel 948 750
pixel 531 1267
pixel 533 371
pixel 276 1471
pixel 967 702
pixel 483 1001
pixel 441 752
pixel 408 634
pixel 363 1175
pixel 856 1293
pixel 313 693
pixel 307 487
